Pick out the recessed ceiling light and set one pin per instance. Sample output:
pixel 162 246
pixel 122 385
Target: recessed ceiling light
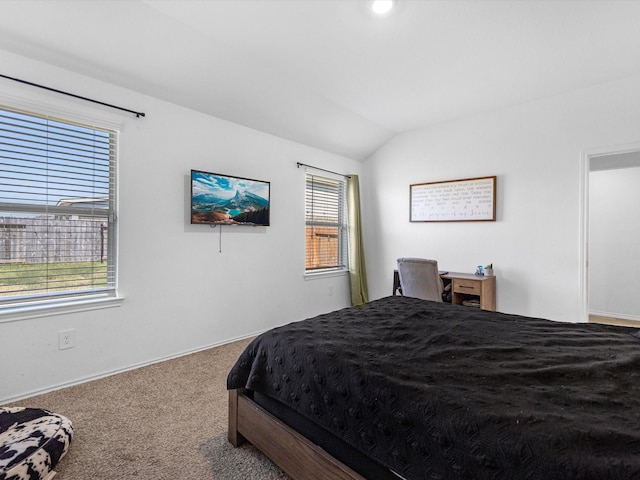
pixel 382 7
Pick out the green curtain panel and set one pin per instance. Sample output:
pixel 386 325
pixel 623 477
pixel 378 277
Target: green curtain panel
pixel 357 270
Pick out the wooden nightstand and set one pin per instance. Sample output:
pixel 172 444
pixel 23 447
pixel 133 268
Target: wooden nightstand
pixel 466 287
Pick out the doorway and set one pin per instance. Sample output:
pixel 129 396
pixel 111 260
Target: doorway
pixel 611 232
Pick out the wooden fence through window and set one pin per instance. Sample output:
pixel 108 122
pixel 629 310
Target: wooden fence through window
pixel 45 239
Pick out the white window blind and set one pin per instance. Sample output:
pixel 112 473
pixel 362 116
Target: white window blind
pixel 57 209
pixel 326 228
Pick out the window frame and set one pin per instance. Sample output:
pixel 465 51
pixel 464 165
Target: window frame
pixel 32 305
pixel 341 212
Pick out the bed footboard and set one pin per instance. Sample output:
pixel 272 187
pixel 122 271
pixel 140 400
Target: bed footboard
pixel 291 451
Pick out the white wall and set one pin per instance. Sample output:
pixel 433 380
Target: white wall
pixel 614 243
pixel 181 293
pixel 536 150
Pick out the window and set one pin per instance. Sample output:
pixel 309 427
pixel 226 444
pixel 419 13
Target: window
pixel 326 224
pixel 57 209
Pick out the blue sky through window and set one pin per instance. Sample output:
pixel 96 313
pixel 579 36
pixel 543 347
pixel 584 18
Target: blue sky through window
pixel 44 161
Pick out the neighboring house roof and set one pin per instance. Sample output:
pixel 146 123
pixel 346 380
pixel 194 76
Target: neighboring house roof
pixel 71 202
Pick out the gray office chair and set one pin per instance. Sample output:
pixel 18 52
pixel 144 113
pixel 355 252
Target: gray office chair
pixel 419 278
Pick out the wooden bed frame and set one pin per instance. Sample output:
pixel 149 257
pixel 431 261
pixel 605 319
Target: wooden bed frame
pixel 292 452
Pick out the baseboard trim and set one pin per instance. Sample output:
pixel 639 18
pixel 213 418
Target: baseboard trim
pixel 621 316
pixel 109 373
pixel 614 320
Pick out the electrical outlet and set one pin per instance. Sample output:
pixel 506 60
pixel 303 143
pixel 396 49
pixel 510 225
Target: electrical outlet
pixel 66 339
pixel 330 290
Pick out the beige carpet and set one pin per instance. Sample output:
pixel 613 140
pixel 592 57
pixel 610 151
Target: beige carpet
pixel 164 421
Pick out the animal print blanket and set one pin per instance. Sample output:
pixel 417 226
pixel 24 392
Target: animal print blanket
pixel 32 442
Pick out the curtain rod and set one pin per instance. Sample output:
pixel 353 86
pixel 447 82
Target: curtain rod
pixel 137 114
pixel 322 169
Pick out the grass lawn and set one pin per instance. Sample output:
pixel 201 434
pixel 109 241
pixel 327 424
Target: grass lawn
pixel 23 278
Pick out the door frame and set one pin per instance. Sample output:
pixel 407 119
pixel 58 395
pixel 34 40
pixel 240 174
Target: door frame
pixel 585 160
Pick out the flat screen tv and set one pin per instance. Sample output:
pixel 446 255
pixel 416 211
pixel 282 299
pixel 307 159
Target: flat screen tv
pixel 227 200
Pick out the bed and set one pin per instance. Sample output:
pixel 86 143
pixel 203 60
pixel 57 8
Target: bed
pixel 413 389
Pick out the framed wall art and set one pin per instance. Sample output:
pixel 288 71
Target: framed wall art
pixel 466 200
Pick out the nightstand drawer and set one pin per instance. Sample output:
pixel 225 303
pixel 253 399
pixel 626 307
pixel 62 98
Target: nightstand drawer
pixel 466 286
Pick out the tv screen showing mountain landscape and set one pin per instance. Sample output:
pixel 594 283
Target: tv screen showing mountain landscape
pixel 228 200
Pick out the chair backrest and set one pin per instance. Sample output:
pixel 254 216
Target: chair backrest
pixel 419 278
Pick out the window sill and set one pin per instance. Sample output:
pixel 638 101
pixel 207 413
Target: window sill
pixel 325 274
pixel 25 312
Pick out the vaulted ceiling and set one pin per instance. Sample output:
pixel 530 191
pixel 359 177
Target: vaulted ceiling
pixel 328 73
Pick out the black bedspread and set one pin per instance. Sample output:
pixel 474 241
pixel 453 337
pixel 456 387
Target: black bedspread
pixel 438 391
